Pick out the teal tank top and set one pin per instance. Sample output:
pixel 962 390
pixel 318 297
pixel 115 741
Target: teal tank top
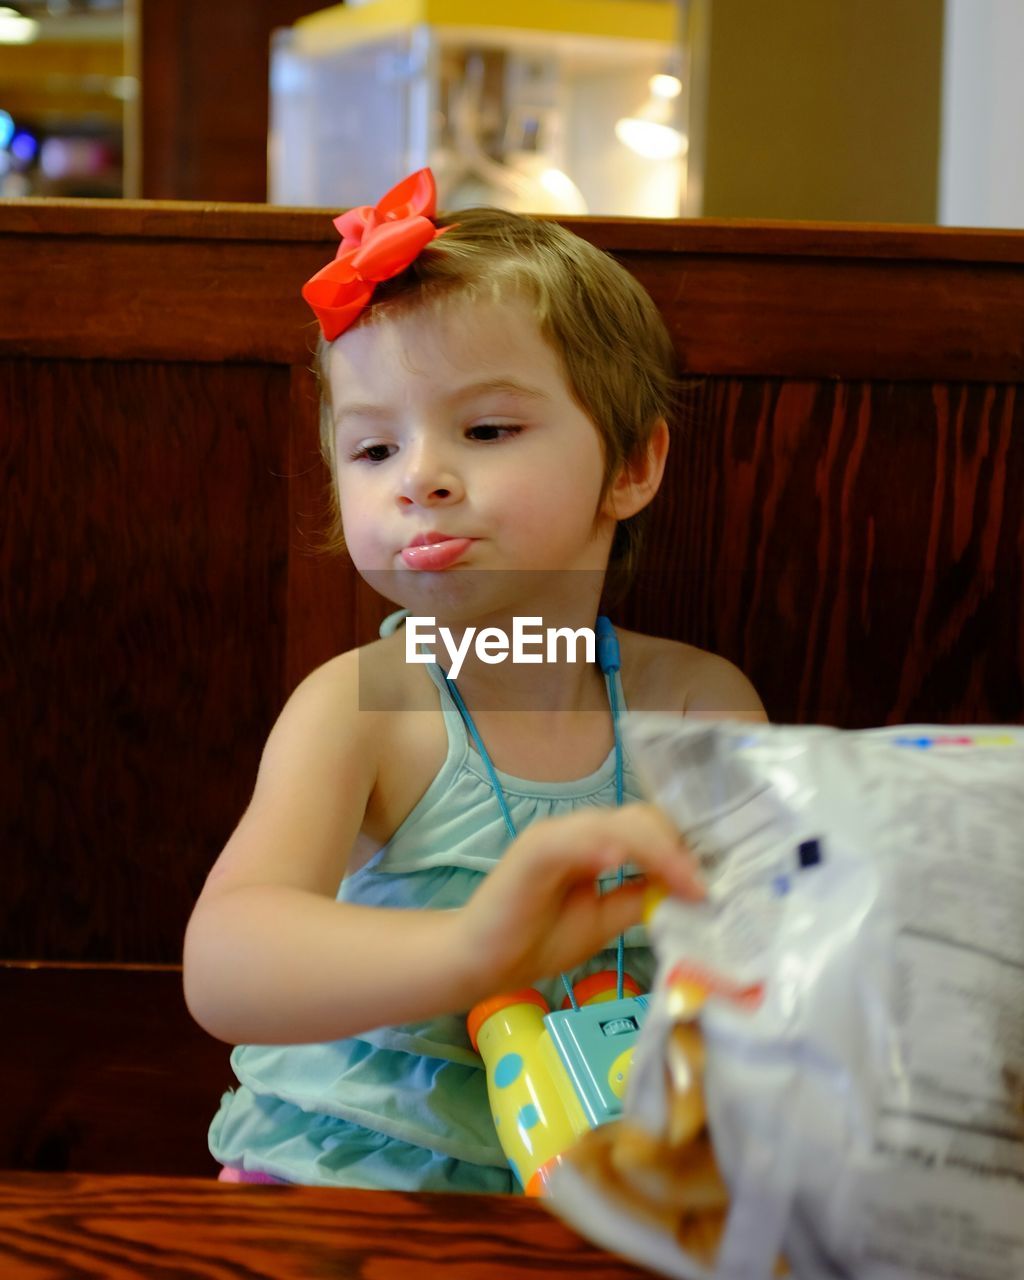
pixel 406 1107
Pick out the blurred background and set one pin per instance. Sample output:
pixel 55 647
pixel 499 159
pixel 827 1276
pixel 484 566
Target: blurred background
pixel 832 110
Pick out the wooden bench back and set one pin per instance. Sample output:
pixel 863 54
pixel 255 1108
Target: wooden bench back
pixel 843 517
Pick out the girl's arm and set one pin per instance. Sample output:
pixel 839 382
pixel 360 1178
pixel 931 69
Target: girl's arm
pixel 271 957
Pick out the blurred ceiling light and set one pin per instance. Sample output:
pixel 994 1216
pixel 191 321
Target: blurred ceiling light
pixel 650 131
pixel 540 187
pixel 24 147
pixel 16 29
pixel 558 185
pixel 665 86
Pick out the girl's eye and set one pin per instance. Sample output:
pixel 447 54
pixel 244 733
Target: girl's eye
pixel 486 431
pixel 373 453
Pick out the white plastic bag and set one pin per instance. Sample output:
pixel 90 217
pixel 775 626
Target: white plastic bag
pixel 867 1108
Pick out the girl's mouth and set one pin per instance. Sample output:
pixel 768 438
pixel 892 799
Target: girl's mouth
pixel 440 554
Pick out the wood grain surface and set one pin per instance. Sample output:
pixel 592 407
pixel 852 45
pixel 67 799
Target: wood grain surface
pixel 96 279
pixel 105 1070
pixel 855 547
pixel 110 1228
pixel 205 110
pixel 144 554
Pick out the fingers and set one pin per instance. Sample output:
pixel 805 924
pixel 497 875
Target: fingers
pixel 589 922
pixel 593 841
pixel 541 911
pixel 617 911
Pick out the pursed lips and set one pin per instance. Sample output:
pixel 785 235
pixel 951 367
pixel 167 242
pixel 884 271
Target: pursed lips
pixel 433 550
pixel 429 538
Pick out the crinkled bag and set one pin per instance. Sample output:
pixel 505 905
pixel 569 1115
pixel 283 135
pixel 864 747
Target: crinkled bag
pixel 830 1080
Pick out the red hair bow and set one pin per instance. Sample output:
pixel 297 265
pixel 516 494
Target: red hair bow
pixel 377 242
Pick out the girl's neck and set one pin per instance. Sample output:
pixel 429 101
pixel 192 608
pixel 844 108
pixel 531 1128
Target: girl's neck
pixel 562 677
pixel 559 688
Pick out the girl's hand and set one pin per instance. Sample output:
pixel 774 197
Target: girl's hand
pixel 540 912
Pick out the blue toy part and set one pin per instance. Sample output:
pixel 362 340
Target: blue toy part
pixel 595 1044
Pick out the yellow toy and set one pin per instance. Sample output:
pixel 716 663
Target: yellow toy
pixel 553 1076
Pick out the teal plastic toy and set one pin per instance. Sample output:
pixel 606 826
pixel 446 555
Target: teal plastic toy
pixel 553 1075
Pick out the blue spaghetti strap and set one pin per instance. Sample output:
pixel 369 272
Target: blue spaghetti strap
pixel 484 755
pixel 609 660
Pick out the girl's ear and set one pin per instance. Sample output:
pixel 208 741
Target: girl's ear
pixel 639 477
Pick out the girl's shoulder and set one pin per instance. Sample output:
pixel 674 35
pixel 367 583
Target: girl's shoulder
pixel 376 675
pixel 679 678
pixel 389 695
pixel 357 707
pixel 358 692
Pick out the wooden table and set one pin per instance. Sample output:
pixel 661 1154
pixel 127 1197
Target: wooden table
pixel 56 1226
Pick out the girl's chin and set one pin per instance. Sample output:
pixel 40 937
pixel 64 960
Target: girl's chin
pixel 456 590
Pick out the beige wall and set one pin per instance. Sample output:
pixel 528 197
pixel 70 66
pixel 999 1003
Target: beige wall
pixel 823 109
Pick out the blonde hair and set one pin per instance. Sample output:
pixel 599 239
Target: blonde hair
pixel 617 356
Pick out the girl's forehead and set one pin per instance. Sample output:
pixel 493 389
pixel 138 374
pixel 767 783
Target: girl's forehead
pixel 455 337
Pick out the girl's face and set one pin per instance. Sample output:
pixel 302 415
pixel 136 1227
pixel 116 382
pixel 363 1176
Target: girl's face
pixel 459 446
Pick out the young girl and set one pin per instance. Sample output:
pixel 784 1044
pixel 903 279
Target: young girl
pixel 495 393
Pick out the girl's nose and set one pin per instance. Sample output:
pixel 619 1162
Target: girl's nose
pixel 428 481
